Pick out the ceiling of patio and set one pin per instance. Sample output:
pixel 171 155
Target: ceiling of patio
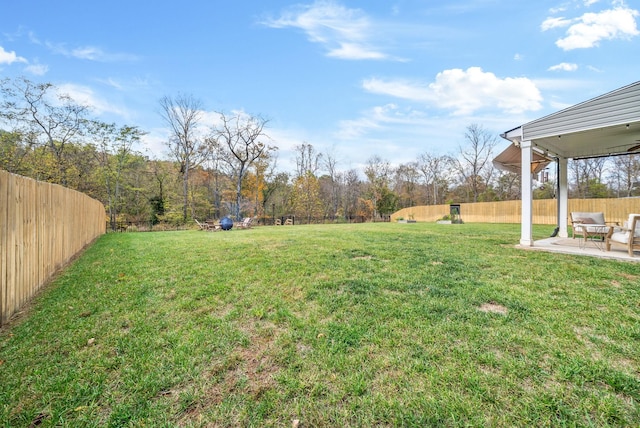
pixel 611 140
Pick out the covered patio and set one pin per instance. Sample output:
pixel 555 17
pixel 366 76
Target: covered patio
pixel 608 125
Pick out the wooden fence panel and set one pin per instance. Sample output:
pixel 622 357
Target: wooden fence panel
pixel 42 226
pixel 544 210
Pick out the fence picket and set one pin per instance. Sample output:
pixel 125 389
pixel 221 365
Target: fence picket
pixel 544 210
pixel 42 226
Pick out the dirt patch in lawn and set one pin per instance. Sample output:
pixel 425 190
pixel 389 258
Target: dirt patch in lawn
pixel 493 308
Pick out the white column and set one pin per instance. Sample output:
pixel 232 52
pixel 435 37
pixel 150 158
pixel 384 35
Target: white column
pixel 526 230
pixel 563 197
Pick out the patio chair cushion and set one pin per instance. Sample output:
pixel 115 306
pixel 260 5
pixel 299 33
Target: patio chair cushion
pixel 588 218
pixel 621 237
pixel 627 224
pixel 581 218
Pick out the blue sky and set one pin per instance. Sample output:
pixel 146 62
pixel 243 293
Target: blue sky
pixel 354 78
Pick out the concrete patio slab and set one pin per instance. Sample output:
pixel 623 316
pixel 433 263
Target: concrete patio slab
pixel 581 248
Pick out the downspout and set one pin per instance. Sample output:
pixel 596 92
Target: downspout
pixel 557 229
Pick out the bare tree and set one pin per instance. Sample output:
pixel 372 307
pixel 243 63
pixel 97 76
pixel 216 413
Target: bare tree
pixel 587 177
pixel 434 170
pixel 508 186
pixel 352 190
pixel 40 110
pixel 406 183
pixel 626 174
pixel 217 160
pixel 242 135
pixel 183 114
pixel 306 192
pixel 474 161
pixel 307 159
pixel 330 165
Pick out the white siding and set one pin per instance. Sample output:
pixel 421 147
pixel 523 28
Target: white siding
pixel 615 108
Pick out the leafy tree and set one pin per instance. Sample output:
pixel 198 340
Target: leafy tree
pixel 13 152
pixel 378 172
pixel 305 196
pixel 387 201
pixel 114 156
pixel 406 184
pixel 50 118
pixel 507 186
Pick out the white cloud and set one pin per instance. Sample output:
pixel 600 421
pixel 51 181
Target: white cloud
pixel 465 91
pixel 588 30
pixel 9 57
pixel 559 9
pixel 37 69
pixel 354 51
pixel 402 134
pixel 87 52
pixel 373 119
pixel 551 23
pixel 563 66
pixel 345 33
pixel 84 95
pixel 90 53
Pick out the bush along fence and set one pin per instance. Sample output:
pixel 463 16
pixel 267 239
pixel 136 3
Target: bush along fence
pixel 42 227
pixel 544 210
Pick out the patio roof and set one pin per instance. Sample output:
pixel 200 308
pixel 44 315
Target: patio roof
pixel 608 125
pixel 603 126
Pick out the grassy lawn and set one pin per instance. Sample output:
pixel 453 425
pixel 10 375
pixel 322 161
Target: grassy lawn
pixel 338 325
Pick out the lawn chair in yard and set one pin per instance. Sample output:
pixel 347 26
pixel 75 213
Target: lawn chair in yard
pixel 627 235
pixel 203 225
pixel 246 223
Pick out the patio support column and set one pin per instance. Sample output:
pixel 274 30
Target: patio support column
pixel 526 230
pixel 563 197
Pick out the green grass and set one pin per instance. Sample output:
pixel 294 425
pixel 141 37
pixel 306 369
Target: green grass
pixel 341 325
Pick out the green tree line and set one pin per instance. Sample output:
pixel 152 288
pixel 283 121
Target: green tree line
pixel 228 167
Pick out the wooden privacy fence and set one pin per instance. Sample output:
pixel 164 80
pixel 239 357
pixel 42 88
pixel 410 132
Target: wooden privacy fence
pixel 42 226
pixel 544 210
